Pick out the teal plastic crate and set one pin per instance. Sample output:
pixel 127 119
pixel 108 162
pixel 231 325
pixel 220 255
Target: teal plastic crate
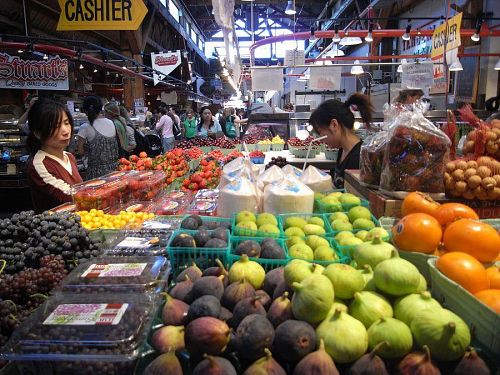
pixel 282 219
pixel 213 219
pixel 245 232
pixel 182 257
pixel 267 264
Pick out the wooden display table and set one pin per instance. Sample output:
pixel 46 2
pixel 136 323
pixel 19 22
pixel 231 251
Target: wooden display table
pixel 383 205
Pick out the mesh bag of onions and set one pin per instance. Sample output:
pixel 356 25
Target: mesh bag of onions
pixel 472 178
pixel 415 156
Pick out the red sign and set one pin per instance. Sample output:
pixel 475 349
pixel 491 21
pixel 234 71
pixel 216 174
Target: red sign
pixel 166 60
pixel 51 74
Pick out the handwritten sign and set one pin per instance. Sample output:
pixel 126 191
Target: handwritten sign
pixel 417 76
pixel 325 78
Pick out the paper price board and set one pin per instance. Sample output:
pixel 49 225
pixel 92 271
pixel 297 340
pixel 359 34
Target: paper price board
pixel 294 57
pixel 417 76
pixel 267 79
pixel 325 78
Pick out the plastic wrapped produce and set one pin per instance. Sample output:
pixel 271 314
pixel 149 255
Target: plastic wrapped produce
pixel 316 179
pixel 273 174
pixel 371 159
pixel 239 195
pixel 415 156
pixel 287 196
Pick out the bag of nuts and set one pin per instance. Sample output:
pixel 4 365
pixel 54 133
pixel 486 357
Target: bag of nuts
pixel 473 179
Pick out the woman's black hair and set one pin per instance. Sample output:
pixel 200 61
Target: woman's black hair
pixel 200 123
pixel 342 112
pixel 163 110
pixel 92 106
pixel 43 120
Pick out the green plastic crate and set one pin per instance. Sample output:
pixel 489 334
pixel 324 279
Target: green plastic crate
pixel 321 207
pixel 483 322
pixel 213 219
pixel 263 147
pixel 245 232
pixel 278 146
pixel 182 257
pixel 267 264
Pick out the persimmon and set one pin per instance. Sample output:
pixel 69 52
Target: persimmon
pixel 417 202
pixel 448 213
pixel 493 274
pixel 478 239
pixel 417 232
pixel 490 297
pixel 465 270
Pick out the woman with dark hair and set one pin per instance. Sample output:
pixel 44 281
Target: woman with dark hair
pixel 51 170
pixel 409 96
pixel 335 120
pixel 98 137
pixel 208 125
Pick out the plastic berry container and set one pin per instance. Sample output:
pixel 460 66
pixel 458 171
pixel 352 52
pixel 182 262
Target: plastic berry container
pixel 146 186
pixel 142 242
pixel 118 274
pixel 212 194
pixel 83 334
pixel 205 207
pixel 99 194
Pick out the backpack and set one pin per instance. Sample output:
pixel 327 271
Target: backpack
pixel 142 143
pixel 230 128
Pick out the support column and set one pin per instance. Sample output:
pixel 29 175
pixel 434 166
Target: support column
pixel 133 87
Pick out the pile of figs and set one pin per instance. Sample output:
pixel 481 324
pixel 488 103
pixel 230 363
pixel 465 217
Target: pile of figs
pixel 294 320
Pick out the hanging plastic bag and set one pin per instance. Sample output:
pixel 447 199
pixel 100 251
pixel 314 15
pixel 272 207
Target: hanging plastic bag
pixel 415 157
pixel 316 179
pixel 239 195
pixel 287 196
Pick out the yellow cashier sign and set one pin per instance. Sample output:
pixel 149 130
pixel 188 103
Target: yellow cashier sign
pixel 447 33
pixel 101 14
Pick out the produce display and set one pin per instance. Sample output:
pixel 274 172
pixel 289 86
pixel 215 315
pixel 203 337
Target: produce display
pixel 257 157
pixel 415 156
pixel 335 201
pixel 265 224
pixel 97 219
pixel 206 177
pixel 100 193
pixel 473 179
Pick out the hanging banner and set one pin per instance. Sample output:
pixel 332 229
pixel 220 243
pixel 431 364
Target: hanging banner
pixel 267 79
pixel 325 78
pixel 101 14
pixel 446 33
pixel 294 57
pixel 16 73
pixel 417 76
pixel 165 63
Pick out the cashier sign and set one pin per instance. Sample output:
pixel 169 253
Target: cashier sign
pixel 101 14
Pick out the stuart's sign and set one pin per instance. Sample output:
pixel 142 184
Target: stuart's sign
pixel 16 73
pixel 164 63
pixel 101 14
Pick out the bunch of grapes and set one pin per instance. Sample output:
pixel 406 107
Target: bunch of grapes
pixel 23 292
pixel 280 161
pixel 25 238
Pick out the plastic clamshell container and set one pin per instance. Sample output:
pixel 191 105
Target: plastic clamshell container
pixel 179 195
pixel 142 242
pixel 169 206
pixel 118 274
pixel 482 320
pixel 133 206
pixel 82 334
pixel 163 222
pixel 246 232
pixel 182 257
pixel 266 263
pixel 99 194
pixel 146 185
pixel 65 207
pixel 118 175
pixel 206 207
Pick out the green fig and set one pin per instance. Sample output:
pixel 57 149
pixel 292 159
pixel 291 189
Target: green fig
pixel 312 298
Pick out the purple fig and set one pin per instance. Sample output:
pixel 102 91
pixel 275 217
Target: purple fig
pixel 272 279
pixel 281 288
pixel 235 292
pixel 193 272
pixel 247 306
pixel 264 298
pixel 182 290
pixel 254 334
pixel 168 338
pixel 316 363
pixel 174 311
pixel 293 340
pixel 206 335
pixel 167 363
pixel 214 366
pixel 280 310
pixel 208 285
pixel 470 364
pixel 225 314
pixel 416 364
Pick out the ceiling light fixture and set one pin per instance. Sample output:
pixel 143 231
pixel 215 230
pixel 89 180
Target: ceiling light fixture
pixel 95 70
pixel 406 35
pixel 475 37
pixel 497 65
pixel 350 41
pixel 45 57
pixel 273 57
pixel 369 36
pixel 357 69
pixel 456 66
pixel 116 75
pixel 312 38
pixel 81 66
pixel 124 67
pixel 336 37
pixel 290 8
pixel 20 51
